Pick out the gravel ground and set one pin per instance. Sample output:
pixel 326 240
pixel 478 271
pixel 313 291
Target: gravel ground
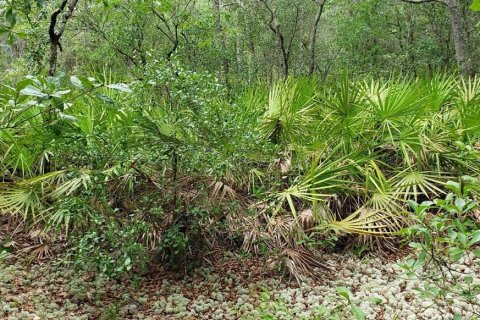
pixel 381 289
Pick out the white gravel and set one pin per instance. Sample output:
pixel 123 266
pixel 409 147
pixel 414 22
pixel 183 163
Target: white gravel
pixel 382 290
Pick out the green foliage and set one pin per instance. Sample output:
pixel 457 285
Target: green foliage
pixel 475 6
pixel 111 248
pixel 350 153
pixel 345 306
pixel 206 124
pixel 445 231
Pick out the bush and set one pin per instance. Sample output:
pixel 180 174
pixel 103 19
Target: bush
pixel 444 232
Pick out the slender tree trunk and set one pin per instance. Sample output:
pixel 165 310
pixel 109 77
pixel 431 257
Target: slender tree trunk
pixel 313 36
pixel 410 43
pixel 219 30
pixel 275 28
pixel 55 33
pixel 457 19
pixel 285 55
pixel 52 62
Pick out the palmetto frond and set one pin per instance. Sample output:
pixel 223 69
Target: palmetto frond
pixel 20 200
pixel 325 177
pixel 468 104
pixel 393 100
pixel 413 183
pixel 439 90
pixel 367 221
pixel 288 115
pixel 67 186
pixel 28 197
pixel 340 116
pixel 381 193
pixel 160 124
pixel 343 97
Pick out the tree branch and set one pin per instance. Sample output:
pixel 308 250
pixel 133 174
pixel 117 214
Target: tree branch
pixel 445 3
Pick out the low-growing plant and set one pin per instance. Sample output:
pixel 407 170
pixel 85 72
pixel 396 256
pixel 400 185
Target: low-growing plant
pixel 345 307
pixel 111 248
pixel 446 231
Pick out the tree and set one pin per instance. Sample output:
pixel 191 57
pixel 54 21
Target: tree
pixel 56 30
pixel 221 37
pixel 172 22
pixel 284 45
pixel 313 37
pixel 457 20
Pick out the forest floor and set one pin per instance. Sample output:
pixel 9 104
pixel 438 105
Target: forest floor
pixel 232 288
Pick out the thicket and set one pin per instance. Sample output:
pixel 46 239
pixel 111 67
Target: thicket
pixel 173 132
pixel 173 168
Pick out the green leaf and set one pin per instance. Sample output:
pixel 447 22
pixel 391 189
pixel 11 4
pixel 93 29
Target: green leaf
pixel 475 5
pixel 476 252
pixel 456 253
pixel 81 82
pixel 462 238
pixel 344 292
pixel 468 279
pixel 460 203
pixel 454 186
pixel 4 29
pixel 68 117
pixel 104 98
pixel 376 300
pixel 11 17
pixel 32 91
pixel 120 87
pixel 76 82
pixel 23 84
pixel 415 245
pixel 475 237
pixel 357 313
pixel 11 38
pixel 58 103
pixel 413 205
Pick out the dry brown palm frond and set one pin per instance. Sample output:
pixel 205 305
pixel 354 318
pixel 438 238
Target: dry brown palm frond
pixel 222 191
pixel 306 219
pixel 10 243
pixel 10 224
pixel 285 164
pixel 36 234
pixel 253 235
pixel 152 236
pixel 313 216
pixel 300 262
pixel 283 230
pixel 476 214
pixel 280 224
pixel 39 251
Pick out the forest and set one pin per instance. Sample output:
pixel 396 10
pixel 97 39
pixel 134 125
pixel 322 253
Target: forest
pixel 240 159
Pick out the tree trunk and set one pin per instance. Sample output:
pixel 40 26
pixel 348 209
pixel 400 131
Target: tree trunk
pixel 457 20
pixel 218 28
pixel 313 36
pixel 56 33
pixel 275 28
pixel 53 58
